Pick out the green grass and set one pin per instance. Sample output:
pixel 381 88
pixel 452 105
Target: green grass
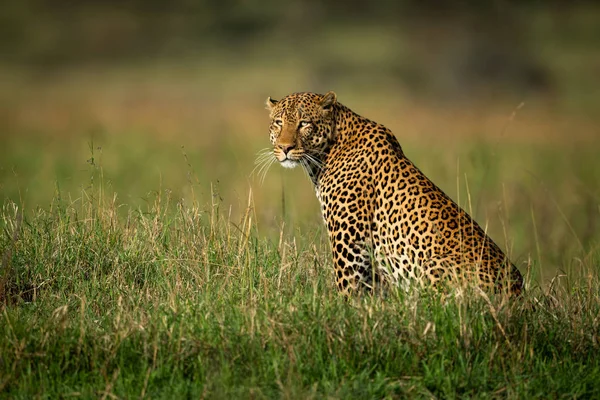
pixel 178 301
pixel 140 257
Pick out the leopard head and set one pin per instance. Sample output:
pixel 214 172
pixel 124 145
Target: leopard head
pixel 302 127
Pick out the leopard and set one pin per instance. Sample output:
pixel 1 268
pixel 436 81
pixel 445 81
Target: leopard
pixel 387 222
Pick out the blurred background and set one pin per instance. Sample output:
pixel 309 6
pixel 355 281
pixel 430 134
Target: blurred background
pixel 498 102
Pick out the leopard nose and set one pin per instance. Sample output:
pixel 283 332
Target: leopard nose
pixel 287 147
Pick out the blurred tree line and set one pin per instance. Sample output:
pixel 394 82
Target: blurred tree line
pixel 476 41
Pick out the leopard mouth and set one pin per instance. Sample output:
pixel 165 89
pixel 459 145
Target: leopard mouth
pixel 289 160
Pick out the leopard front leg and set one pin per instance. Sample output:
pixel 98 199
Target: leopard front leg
pixel 353 263
pixel 347 212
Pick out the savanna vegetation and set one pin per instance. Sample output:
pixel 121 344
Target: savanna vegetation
pixel 141 256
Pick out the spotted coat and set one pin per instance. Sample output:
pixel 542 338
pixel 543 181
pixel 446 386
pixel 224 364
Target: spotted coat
pixel 386 221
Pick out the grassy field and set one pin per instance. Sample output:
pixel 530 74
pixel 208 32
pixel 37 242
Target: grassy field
pixel 141 257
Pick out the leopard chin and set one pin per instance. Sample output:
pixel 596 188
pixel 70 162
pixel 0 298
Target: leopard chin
pixel 289 163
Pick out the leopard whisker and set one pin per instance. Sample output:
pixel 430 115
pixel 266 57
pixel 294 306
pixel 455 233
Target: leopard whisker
pixel 262 173
pixel 265 158
pixel 305 167
pixel 314 161
pixel 317 152
pixel 263 154
pixel 258 164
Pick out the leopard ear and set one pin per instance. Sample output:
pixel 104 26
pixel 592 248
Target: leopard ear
pixel 329 99
pixel 271 103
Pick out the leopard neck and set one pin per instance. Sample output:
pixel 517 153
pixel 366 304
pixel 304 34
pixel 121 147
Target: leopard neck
pixel 346 123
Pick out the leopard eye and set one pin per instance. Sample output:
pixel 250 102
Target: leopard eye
pixel 278 122
pixel 304 124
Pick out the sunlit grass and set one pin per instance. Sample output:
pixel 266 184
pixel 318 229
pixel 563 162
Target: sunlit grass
pixel 177 300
